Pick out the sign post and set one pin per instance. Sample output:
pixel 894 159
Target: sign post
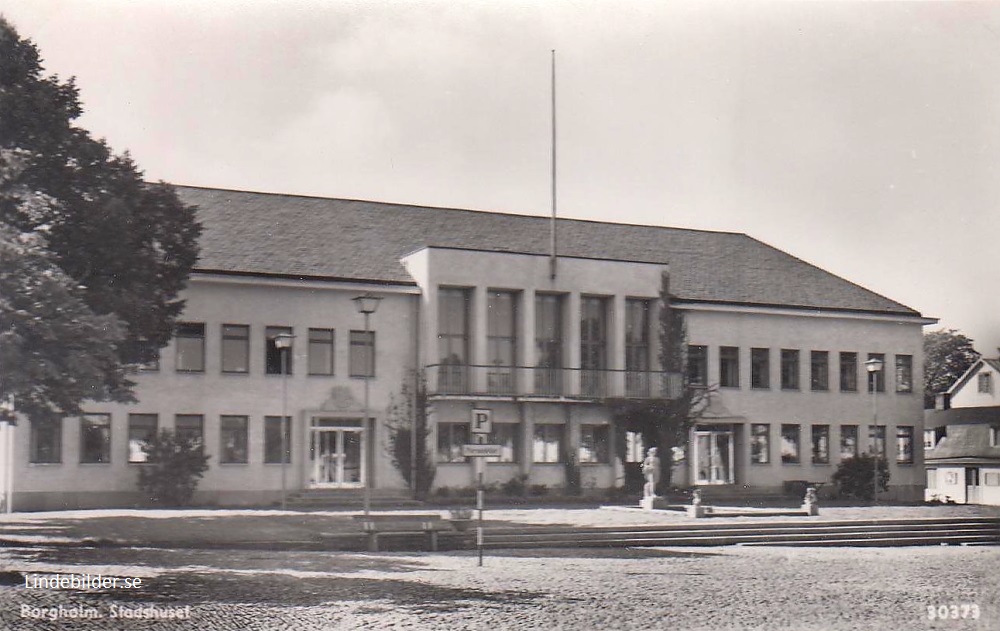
pixel 481 427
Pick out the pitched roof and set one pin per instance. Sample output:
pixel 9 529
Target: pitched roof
pixel 265 233
pixel 987 415
pixel 963 441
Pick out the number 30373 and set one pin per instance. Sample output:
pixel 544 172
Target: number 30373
pixel 953 612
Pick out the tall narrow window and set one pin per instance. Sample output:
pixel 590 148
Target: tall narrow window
pixel 637 348
pixel 362 359
pixel 46 441
pixel 594 444
pixel 819 371
pixel 729 366
pixel 790 442
pixel 877 377
pixel 235 348
pixel 760 443
pixel 904 444
pixel 904 373
pixel 141 430
pixel 275 358
pixel 501 341
pixel 321 351
pixel 593 345
pixel 876 440
pixel 547 443
pixel 697 362
pixel 233 439
pixel 453 339
pixel 190 427
pixel 450 438
pixel 189 343
pixel 848 441
pixel 95 438
pixel 984 383
pixel 760 368
pixel 821 444
pixel 548 344
pixel 272 439
pixel 848 372
pixel 789 369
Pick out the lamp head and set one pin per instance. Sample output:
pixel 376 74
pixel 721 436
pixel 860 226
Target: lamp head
pixel 874 365
pixel 283 340
pixel 367 303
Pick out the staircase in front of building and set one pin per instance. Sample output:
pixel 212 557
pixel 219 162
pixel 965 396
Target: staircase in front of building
pixel 351 499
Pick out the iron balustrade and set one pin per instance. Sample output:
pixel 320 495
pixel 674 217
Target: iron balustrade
pixel 543 381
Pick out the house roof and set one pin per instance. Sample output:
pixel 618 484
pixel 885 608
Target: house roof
pixel 290 235
pixel 962 416
pixel 968 441
pixel 971 371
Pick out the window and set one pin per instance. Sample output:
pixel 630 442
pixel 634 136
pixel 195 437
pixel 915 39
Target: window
pixel 932 478
pixel 933 436
pixel 593 344
pixel 46 441
pixel 272 439
pixel 547 443
pixel 990 478
pixel 848 372
pixel 971 476
pixel 190 347
pixel 635 448
pixel 453 326
pixel 904 444
pixel 876 440
pixel 501 325
pixel 450 438
pixel 821 444
pixel 789 369
pixel 321 351
pixel 729 367
pixel 904 373
pixel 362 359
pixel 233 439
pixel 760 368
pixel 790 444
pixel 95 438
pixel 877 377
pixel 994 437
pixel 191 427
pixel 636 335
pixel 235 348
pixel 848 441
pixel 146 355
pixel 985 383
pixel 277 360
pixel 141 430
pixel 760 443
pixel 819 371
pixel 507 435
pixel 594 444
pixel 548 343
pixel 697 360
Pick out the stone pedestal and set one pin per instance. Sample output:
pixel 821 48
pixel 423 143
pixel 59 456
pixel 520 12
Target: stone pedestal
pixel 696 511
pixel 810 509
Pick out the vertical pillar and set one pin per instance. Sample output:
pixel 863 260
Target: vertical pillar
pixel 477 377
pixel 526 343
pixel 616 346
pixel 571 341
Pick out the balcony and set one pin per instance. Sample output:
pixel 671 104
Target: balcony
pixel 557 383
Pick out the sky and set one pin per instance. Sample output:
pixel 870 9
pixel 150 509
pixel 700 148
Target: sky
pixel 862 137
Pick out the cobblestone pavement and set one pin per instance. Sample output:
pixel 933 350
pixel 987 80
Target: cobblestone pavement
pixel 703 588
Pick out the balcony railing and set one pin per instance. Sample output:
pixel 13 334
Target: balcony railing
pixel 528 381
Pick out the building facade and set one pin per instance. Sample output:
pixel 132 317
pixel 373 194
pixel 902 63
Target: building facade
pixel 475 303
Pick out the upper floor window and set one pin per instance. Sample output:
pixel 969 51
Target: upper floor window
pixel 277 361
pixel 819 371
pixel 760 368
pixel 362 356
pixel 985 382
pixel 235 348
pixel 877 378
pixel 637 335
pixel 789 369
pixel 593 333
pixel 189 342
pixel 904 373
pixel 321 351
pixel 501 327
pixel 453 326
pixel 729 367
pixel 848 372
pixel 95 438
pixel 697 362
pixel 548 343
pixel 45 441
pixel 933 436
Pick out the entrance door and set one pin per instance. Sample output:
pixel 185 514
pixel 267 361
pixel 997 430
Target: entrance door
pixel 336 457
pixel 713 457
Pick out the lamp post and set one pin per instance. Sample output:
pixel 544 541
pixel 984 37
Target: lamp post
pixel 283 342
pixel 874 367
pixel 367 305
pixel 7 422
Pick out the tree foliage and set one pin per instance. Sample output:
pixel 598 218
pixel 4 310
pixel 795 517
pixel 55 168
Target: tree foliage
pixel 855 477
pixel 123 248
pixel 947 355
pixel 408 412
pixel 174 465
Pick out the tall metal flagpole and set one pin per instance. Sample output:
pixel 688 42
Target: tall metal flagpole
pixel 552 260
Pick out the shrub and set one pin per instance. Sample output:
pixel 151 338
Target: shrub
pixel 516 486
pixel 854 477
pixel 174 464
pixel 537 490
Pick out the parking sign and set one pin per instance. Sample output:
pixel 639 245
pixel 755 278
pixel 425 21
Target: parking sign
pixel 482 421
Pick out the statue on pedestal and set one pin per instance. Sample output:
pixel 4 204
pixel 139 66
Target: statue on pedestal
pixel 651 471
pixel 810 503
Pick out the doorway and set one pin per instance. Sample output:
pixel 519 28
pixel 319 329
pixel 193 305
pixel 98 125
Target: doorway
pixel 713 457
pixel 336 454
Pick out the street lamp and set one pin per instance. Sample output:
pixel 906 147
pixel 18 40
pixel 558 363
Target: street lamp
pixel 367 305
pixel 7 422
pixel 283 342
pixel 874 367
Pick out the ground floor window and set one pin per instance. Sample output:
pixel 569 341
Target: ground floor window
pixel 272 439
pixel 821 444
pixel 451 437
pixel 790 444
pixel 233 440
pixel 191 427
pixel 141 430
pixel 634 448
pixel 46 442
pixel 95 438
pixel 932 478
pixel 904 444
pixel 848 441
pixel 594 441
pixel 971 477
pixel 507 435
pixel 760 443
pixel 876 440
pixel 547 443
pixel 990 478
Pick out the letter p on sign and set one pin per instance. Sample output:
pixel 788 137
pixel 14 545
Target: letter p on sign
pixel 482 421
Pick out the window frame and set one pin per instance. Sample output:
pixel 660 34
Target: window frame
pixel 791 369
pixel 450 438
pixel 729 366
pixel 877 377
pixel 357 343
pixel 760 368
pixel 130 437
pixel 185 431
pixel 244 347
pixel 508 436
pixel 270 457
pixel 848 364
pixel 637 356
pixel 548 431
pixel 500 339
pixel 819 371
pixel 329 345
pixel 820 449
pixel 242 434
pixel 274 357
pixel 788 430
pixel 760 450
pixel 984 383
pixel 101 421
pixel 189 331
pixel 878 435
pixel 697 365
pixel 904 374
pixel 854 434
pixel 600 440
pixel 904 438
pixel 453 343
pixel 55 439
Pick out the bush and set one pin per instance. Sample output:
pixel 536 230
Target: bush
pixel 174 464
pixel 516 486
pixel 854 477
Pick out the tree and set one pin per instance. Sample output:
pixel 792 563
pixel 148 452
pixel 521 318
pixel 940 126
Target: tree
pixel 947 355
pixel 665 421
pixel 407 412
pixel 123 248
pixel 855 477
pixel 174 464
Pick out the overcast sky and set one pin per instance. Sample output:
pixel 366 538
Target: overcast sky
pixel 861 137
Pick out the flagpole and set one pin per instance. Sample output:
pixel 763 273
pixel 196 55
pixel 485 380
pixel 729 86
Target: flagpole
pixel 552 230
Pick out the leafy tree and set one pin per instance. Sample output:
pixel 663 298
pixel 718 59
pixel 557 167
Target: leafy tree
pixel 174 465
pixel 407 411
pixel 123 248
pixel 947 355
pixel 855 477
